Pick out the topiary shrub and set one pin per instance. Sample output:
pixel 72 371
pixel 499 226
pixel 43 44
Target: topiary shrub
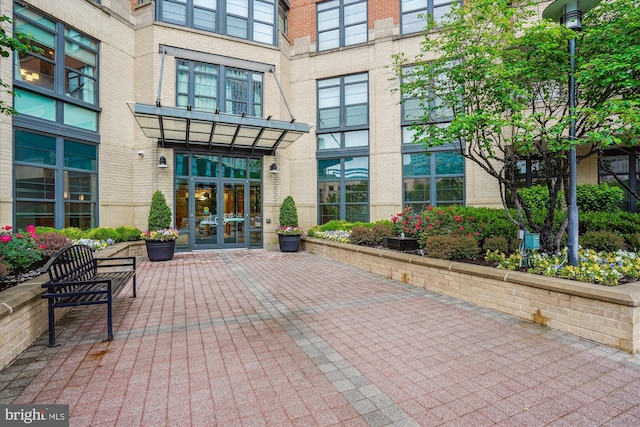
pixel 102 233
pixel 159 212
pixel 451 248
pixel 598 198
pixel 127 233
pixel 362 236
pixel 602 241
pixel 498 243
pixel 288 213
pixel 52 242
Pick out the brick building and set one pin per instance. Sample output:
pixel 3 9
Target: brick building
pixel 225 106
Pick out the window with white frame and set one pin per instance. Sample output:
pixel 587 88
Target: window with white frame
pixel 341 23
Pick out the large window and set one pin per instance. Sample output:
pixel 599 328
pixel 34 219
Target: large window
pixel 341 23
pixel 435 178
pixel 215 87
pixel 55 181
pixel 343 189
pixel 55 150
pixel 343 148
pixel 414 13
pixel 60 82
pixel 247 19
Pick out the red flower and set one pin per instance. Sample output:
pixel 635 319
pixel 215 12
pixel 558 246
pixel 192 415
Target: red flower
pixel 19 236
pixel 5 238
pixel 7 227
pixel 43 246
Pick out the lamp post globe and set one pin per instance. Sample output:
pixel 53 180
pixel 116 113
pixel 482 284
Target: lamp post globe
pixel 569 13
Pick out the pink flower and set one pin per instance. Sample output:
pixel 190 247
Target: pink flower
pixel 5 238
pixel 19 235
pixel 461 228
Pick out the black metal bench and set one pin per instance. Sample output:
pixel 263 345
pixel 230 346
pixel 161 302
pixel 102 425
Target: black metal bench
pixel 77 278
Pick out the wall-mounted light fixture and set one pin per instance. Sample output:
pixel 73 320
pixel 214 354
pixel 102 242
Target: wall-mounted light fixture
pixel 162 162
pixel 273 168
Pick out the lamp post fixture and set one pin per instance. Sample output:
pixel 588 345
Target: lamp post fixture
pixel 569 13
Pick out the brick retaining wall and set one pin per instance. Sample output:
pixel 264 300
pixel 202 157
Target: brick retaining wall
pixel 607 315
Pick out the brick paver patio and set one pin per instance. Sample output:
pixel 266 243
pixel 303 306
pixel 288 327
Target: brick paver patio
pixel 261 338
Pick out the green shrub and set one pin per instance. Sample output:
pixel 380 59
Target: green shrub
pixel 381 229
pixel 536 197
pixel 451 248
pixel 41 230
pixel 288 213
pixel 159 212
pixel 336 225
pixel 598 198
pixel 498 243
pixel 312 230
pixel 633 242
pixel 72 232
pixel 127 233
pixel 102 233
pixel 490 222
pixel 362 236
pixel 51 243
pixel 602 241
pixel 619 222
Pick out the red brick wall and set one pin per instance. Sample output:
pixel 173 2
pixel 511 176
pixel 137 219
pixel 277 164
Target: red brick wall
pixel 302 16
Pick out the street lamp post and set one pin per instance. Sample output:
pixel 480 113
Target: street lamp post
pixel 569 13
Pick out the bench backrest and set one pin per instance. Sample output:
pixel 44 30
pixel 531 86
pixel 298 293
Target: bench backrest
pixel 75 263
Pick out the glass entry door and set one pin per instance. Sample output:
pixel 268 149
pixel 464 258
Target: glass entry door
pixel 206 213
pixel 218 201
pixel 234 227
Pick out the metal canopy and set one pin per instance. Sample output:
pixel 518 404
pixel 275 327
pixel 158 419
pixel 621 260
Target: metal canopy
pixel 179 127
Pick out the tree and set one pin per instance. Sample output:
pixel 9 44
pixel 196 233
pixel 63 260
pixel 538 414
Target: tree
pixel 500 74
pixel 21 43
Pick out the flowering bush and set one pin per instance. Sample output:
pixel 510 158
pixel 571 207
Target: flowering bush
pixel 161 234
pixel 19 249
pixel 290 230
pixel 434 221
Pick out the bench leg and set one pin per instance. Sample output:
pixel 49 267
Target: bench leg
pixel 52 326
pixel 109 317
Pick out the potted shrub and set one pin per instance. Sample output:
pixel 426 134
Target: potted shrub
pixel 160 238
pixel 289 231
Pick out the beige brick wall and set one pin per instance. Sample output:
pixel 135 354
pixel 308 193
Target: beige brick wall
pixel 610 316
